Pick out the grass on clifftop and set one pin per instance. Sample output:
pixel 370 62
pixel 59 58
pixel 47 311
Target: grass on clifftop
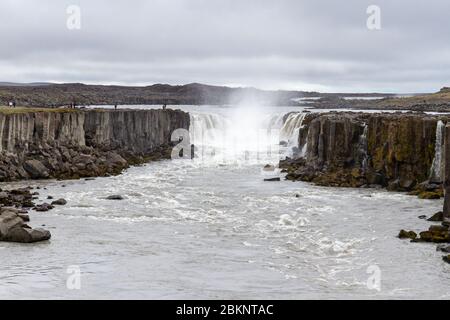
pixel 17 110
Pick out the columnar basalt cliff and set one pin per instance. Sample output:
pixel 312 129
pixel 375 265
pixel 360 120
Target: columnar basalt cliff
pixel 393 150
pixel 446 212
pixel 83 143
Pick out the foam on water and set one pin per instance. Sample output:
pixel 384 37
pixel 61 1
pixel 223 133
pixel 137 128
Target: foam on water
pixel 193 229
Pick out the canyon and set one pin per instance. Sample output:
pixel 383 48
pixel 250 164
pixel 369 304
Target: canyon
pixel 67 144
pixel 71 144
pixel 399 151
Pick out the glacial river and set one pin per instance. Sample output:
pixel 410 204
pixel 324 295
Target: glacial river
pixel 212 228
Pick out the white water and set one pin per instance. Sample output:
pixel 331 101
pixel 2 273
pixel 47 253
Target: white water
pixel 211 228
pixel 290 132
pixel 363 147
pixel 437 166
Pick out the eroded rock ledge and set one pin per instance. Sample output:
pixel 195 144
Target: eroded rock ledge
pixel 83 143
pixel 393 150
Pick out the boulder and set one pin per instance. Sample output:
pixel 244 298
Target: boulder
pixel 443 248
pixel 59 202
pixel 43 207
pixel 36 169
pixel 115 197
pixel 407 235
pixel 437 217
pixel 273 179
pixel 430 195
pixel 14 229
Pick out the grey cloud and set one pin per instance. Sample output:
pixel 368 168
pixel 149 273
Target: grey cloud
pixel 291 44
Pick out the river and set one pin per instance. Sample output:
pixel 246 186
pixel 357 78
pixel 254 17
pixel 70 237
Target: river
pixel 212 228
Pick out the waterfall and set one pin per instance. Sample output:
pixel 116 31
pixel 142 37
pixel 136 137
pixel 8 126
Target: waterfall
pixel 235 135
pixel 437 165
pixel 290 132
pixel 206 129
pixel 363 148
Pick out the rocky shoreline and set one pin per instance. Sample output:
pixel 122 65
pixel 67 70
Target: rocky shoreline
pixel 14 215
pixel 387 150
pixel 72 145
pixel 84 143
pixel 407 152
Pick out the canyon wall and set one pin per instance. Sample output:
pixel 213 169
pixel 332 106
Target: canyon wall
pixel 393 150
pixel 446 212
pixel 83 143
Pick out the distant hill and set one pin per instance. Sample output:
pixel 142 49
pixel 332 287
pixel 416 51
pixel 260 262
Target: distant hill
pixel 17 84
pixel 438 102
pixel 44 94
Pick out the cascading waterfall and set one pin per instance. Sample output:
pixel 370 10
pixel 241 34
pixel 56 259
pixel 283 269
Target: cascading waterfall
pixel 235 136
pixel 436 172
pixel 206 128
pixel 290 132
pixel 363 148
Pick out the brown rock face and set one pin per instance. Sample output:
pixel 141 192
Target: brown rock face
pixel 83 143
pixel 446 211
pixel 14 229
pixel 394 150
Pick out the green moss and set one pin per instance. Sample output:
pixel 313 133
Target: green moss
pixel 430 195
pixel 20 110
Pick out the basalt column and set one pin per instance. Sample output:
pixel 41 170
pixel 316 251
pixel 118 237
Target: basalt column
pixel 447 174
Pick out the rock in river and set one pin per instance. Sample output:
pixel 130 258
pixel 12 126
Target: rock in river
pixel 43 207
pixel 407 234
pixel 59 202
pixel 14 229
pixel 438 216
pixel 115 197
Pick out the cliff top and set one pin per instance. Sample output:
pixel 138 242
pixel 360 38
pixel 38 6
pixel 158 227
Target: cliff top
pixel 16 110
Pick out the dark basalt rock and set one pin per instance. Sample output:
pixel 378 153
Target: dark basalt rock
pixel 273 179
pixel 19 198
pixel 115 197
pixel 443 248
pixel 446 258
pixel 59 202
pixel 85 143
pixel 407 235
pixel 14 229
pixel 435 235
pixel 345 149
pixel 43 207
pixel 437 217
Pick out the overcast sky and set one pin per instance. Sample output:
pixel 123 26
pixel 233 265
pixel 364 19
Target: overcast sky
pixel 285 44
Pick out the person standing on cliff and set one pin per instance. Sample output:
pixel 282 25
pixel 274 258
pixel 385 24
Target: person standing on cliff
pixel 115 107
pixel 164 106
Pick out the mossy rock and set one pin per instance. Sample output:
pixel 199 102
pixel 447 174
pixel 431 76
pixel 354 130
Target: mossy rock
pixel 431 195
pixel 437 217
pixel 407 234
pixel 435 236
